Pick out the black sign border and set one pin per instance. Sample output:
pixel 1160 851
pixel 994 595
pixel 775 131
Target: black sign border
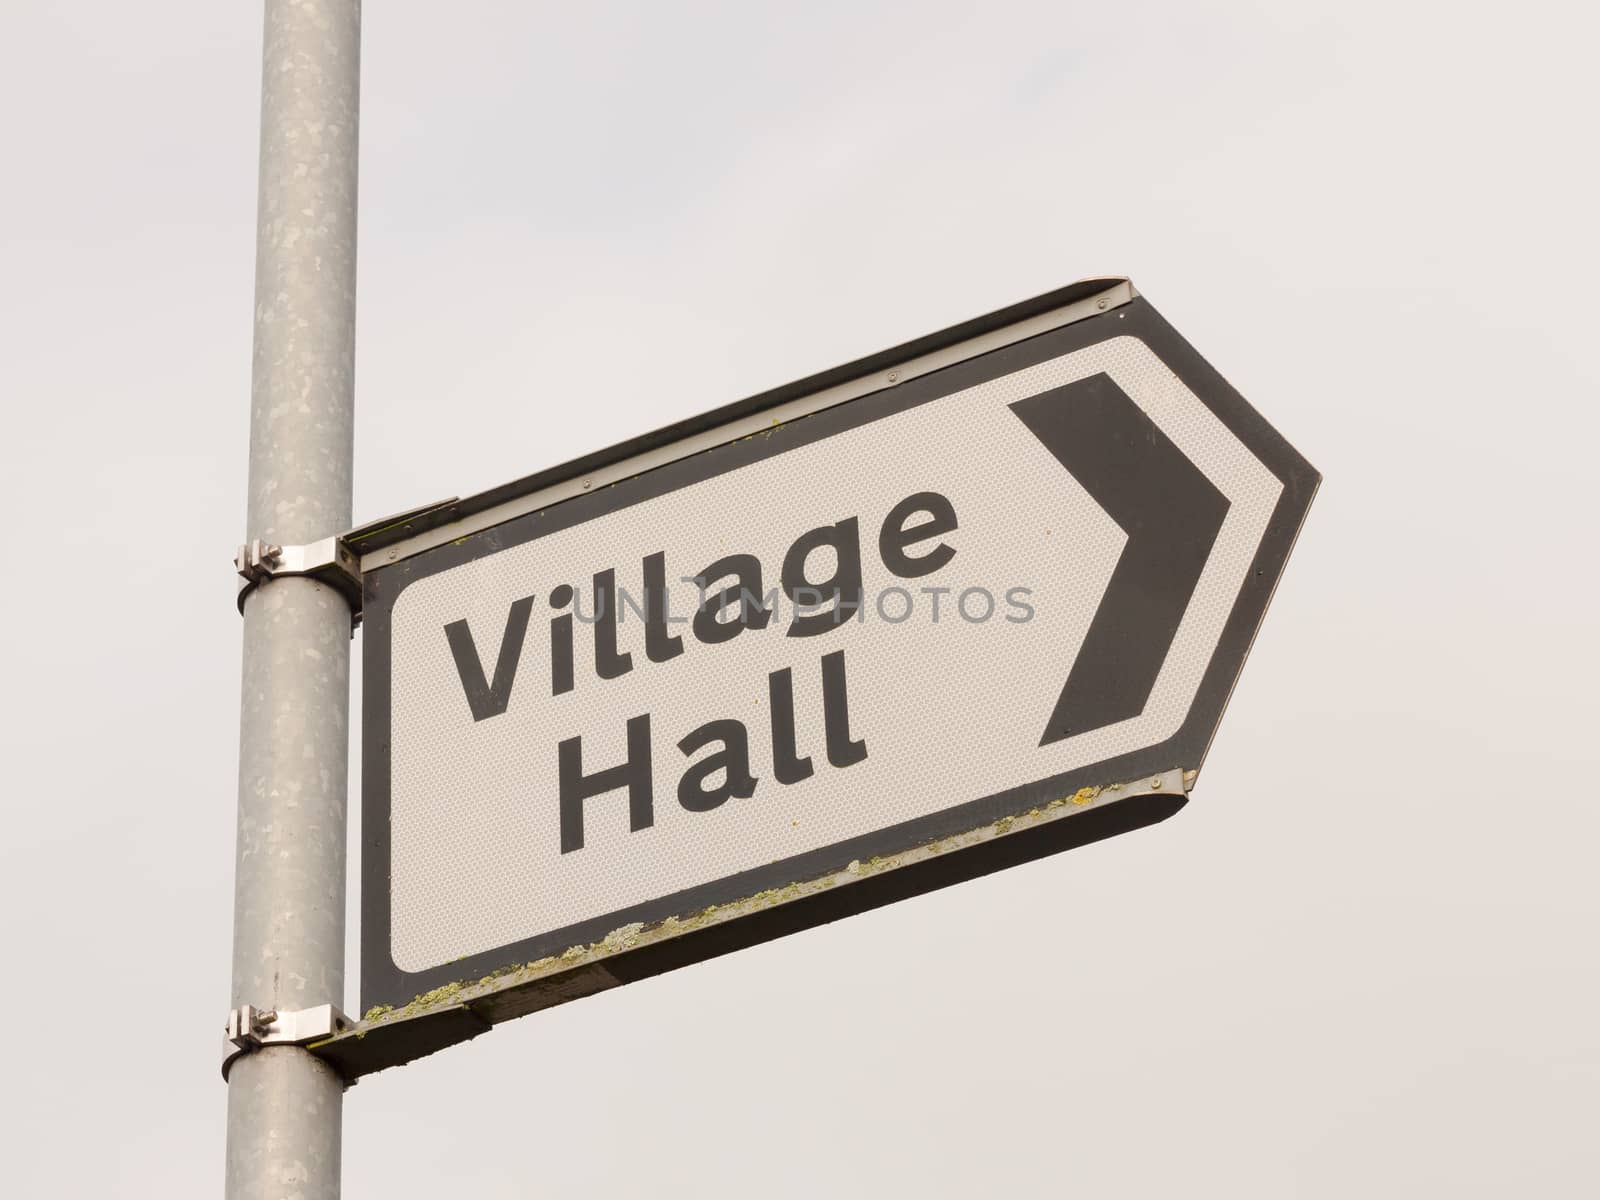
pixel 384 983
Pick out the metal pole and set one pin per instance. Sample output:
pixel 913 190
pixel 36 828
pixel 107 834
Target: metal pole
pixel 284 1105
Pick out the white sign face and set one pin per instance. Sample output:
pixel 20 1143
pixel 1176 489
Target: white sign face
pixel 959 596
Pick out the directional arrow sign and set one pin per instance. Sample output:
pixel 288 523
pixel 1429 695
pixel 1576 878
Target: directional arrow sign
pixel 968 602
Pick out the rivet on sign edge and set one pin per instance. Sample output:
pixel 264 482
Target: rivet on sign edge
pixel 1102 302
pixel 894 376
pixel 587 482
pixel 1156 783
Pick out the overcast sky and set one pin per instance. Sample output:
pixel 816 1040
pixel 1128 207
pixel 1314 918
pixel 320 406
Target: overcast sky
pixel 1361 962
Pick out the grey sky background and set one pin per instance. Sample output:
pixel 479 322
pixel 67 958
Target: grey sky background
pixel 1362 962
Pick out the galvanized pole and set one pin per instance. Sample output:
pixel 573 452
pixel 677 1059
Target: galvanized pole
pixel 284 1105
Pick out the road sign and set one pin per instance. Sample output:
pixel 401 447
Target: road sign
pixel 964 603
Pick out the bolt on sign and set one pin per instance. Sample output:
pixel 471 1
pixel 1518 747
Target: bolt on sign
pixel 968 602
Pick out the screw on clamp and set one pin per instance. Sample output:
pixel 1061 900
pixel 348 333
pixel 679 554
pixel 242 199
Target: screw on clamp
pixel 250 1028
pixel 330 561
pixel 256 560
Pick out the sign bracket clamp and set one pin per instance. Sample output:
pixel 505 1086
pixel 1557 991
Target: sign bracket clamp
pixel 335 561
pixel 250 1028
pixel 330 561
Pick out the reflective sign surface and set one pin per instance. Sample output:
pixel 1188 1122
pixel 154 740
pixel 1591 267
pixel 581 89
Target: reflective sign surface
pixel 962 594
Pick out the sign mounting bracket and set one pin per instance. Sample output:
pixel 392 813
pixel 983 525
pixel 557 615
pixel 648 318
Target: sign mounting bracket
pixel 330 561
pixel 249 1028
pixel 334 560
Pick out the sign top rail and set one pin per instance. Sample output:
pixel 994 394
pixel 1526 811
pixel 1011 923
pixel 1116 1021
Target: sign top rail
pixel 395 537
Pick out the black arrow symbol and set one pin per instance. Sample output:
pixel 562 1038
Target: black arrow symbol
pixel 1171 513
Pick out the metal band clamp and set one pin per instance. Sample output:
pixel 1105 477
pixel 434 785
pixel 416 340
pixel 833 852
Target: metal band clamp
pixel 330 561
pixel 250 1028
